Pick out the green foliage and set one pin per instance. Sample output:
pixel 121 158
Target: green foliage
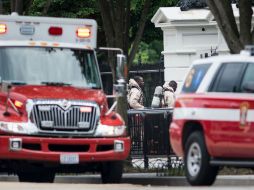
pixel 150 32
pixel 65 8
pixel 152 36
pixel 148 53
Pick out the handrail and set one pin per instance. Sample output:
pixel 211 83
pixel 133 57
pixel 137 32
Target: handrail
pixel 150 111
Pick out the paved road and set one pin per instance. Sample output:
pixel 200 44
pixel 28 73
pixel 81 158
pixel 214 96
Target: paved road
pixel 129 182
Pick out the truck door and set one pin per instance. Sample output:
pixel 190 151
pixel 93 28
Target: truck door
pixel 231 134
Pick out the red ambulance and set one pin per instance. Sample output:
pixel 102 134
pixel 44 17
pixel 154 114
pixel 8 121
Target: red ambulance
pixel 54 116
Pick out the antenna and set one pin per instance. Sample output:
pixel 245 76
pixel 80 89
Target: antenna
pixel 214 51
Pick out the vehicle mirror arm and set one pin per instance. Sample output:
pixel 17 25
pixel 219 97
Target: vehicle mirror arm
pixel 112 108
pixel 109 49
pixel 6 112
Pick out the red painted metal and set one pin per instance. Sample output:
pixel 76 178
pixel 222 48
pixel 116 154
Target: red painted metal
pixel 223 138
pixel 91 155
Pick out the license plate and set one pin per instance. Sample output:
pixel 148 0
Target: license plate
pixel 69 159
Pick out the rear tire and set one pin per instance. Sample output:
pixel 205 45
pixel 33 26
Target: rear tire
pixel 111 172
pixel 38 177
pixel 196 160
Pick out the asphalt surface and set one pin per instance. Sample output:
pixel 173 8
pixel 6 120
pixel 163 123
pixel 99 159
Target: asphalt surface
pixel 147 179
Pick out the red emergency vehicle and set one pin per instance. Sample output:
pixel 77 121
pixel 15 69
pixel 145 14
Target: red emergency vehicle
pixel 54 115
pixel 213 119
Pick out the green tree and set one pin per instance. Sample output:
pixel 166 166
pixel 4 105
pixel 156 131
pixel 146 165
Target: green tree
pixel 64 8
pixel 149 52
pixel 235 38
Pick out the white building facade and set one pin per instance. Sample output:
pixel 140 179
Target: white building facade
pixel 188 35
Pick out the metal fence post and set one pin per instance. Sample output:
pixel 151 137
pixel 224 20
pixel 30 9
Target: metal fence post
pixel 145 147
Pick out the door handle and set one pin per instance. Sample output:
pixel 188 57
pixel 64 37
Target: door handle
pixel 234 105
pixel 207 105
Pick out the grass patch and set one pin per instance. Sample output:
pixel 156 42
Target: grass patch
pixel 236 171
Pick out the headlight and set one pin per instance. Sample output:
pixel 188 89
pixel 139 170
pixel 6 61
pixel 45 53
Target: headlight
pixel 21 128
pixel 110 131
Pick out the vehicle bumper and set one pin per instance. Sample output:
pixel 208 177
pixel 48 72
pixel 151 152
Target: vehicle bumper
pixel 40 149
pixel 175 133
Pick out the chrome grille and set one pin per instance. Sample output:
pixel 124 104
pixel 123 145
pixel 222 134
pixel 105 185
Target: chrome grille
pixel 53 116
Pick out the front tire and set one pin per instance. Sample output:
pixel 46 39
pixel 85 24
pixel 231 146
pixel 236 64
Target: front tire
pixel 196 160
pixel 111 172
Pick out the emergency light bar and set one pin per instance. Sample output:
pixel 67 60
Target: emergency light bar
pixel 3 28
pixel 55 31
pixel 49 29
pixel 83 32
pixel 27 29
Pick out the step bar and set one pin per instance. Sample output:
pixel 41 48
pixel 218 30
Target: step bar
pixel 235 163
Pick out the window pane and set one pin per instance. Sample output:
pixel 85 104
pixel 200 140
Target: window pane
pixel 194 77
pixel 229 78
pixel 248 76
pixel 37 65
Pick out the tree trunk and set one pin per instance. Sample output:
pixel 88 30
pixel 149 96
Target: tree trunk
pixel 225 19
pixel 126 41
pixel 1 7
pixel 246 12
pixel 19 7
pixel 46 7
pixel 13 3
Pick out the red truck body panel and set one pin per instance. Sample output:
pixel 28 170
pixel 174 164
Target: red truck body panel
pixel 91 152
pixel 43 152
pixel 227 122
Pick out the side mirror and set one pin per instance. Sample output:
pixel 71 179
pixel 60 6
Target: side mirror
pixel 119 90
pixel 248 87
pixel 121 64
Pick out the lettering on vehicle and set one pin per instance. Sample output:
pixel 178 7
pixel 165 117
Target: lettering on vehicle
pixel 83 40
pixel 189 78
pixel 244 107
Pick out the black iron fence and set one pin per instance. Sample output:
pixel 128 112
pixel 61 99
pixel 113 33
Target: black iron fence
pixel 153 75
pixel 149 132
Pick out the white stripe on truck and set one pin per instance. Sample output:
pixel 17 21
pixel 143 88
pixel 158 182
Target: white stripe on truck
pixel 215 114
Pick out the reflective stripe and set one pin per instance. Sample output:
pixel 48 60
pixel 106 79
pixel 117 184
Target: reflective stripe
pixel 211 114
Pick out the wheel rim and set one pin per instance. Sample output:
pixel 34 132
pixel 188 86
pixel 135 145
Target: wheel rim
pixel 194 159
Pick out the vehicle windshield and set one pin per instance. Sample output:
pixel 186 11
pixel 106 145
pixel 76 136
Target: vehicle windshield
pixel 49 66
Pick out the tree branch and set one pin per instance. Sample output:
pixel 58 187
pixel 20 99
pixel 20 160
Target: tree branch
pixel 46 7
pixel 27 5
pixel 246 12
pixel 126 42
pixel 139 33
